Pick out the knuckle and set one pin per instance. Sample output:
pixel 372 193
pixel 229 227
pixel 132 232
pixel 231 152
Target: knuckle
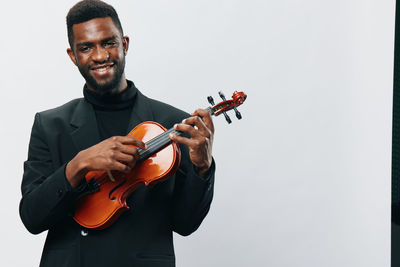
pixel 203 140
pixel 197 143
pixel 109 162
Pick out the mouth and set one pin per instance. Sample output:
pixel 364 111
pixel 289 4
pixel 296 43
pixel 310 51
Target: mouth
pixel 102 69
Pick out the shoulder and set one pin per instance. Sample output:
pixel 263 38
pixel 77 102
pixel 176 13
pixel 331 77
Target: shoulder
pixel 64 109
pixel 59 114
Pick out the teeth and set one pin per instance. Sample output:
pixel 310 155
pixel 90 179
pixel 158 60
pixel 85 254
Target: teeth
pixel 102 68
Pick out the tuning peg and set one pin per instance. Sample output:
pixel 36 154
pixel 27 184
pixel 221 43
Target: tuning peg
pixel 238 115
pixel 222 95
pixel 226 115
pixel 210 100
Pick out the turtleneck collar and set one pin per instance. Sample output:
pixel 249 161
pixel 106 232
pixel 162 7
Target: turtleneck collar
pixel 111 101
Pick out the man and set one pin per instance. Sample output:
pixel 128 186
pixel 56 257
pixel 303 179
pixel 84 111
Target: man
pixel 88 134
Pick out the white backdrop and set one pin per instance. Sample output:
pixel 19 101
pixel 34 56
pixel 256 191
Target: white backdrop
pixel 302 180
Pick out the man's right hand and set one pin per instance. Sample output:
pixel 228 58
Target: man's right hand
pixel 117 153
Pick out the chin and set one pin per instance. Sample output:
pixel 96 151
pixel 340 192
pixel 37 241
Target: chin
pixel 106 87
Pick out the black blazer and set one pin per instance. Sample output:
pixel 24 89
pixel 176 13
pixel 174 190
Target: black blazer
pixel 142 236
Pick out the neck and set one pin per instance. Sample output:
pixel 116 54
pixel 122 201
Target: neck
pixel 122 85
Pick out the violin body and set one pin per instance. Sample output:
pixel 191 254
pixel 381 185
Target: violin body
pixel 101 208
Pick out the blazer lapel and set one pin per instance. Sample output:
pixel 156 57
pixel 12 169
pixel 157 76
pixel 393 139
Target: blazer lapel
pixel 83 119
pixel 141 111
pixel 86 133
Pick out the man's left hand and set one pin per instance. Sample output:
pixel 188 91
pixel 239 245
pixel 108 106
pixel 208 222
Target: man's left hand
pixel 201 129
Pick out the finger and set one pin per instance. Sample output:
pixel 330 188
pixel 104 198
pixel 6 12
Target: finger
pixel 127 149
pixel 129 140
pixel 129 159
pixel 200 112
pixel 206 117
pixel 199 123
pixel 136 156
pixel 119 166
pixel 122 157
pixel 186 128
pixel 191 143
pixel 181 139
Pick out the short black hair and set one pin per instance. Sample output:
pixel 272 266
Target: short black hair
pixel 90 9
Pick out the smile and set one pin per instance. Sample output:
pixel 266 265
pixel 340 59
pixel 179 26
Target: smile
pixel 100 69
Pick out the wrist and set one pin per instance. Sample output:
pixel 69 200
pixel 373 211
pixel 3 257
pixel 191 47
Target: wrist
pixel 75 171
pixel 202 171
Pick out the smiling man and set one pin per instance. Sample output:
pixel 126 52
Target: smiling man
pixel 89 134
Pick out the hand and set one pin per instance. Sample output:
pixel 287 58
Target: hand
pixel 113 154
pixel 201 129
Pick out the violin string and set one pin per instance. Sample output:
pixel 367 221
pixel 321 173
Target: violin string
pixel 163 140
pixel 156 143
pixel 162 137
pixel 156 140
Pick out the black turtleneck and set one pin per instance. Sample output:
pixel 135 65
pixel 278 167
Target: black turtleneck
pixel 112 111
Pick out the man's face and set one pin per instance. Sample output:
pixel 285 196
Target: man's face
pixel 99 53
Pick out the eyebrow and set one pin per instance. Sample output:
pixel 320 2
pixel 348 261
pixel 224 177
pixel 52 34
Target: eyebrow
pixel 114 37
pixel 84 44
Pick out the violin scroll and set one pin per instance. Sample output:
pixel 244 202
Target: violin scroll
pixel 238 98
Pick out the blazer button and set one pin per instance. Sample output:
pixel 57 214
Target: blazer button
pixel 59 192
pixel 84 232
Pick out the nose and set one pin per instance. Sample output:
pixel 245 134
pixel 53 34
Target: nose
pixel 100 54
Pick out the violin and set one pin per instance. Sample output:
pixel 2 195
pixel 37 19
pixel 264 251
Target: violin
pixel 102 207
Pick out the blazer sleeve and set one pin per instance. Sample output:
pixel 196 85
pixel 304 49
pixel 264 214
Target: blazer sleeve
pixel 192 197
pixel 47 196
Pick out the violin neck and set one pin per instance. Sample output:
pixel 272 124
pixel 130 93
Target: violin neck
pixel 157 143
pixel 161 141
pixel 210 110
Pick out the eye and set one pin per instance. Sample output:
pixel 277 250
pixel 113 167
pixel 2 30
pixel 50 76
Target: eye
pixel 110 44
pixel 84 49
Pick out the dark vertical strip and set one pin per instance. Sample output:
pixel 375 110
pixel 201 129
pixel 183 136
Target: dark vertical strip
pixel 395 251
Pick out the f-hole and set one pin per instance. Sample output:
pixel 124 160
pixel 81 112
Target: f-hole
pixel 115 188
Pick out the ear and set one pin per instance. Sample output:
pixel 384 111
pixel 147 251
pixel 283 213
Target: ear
pixel 125 44
pixel 71 55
